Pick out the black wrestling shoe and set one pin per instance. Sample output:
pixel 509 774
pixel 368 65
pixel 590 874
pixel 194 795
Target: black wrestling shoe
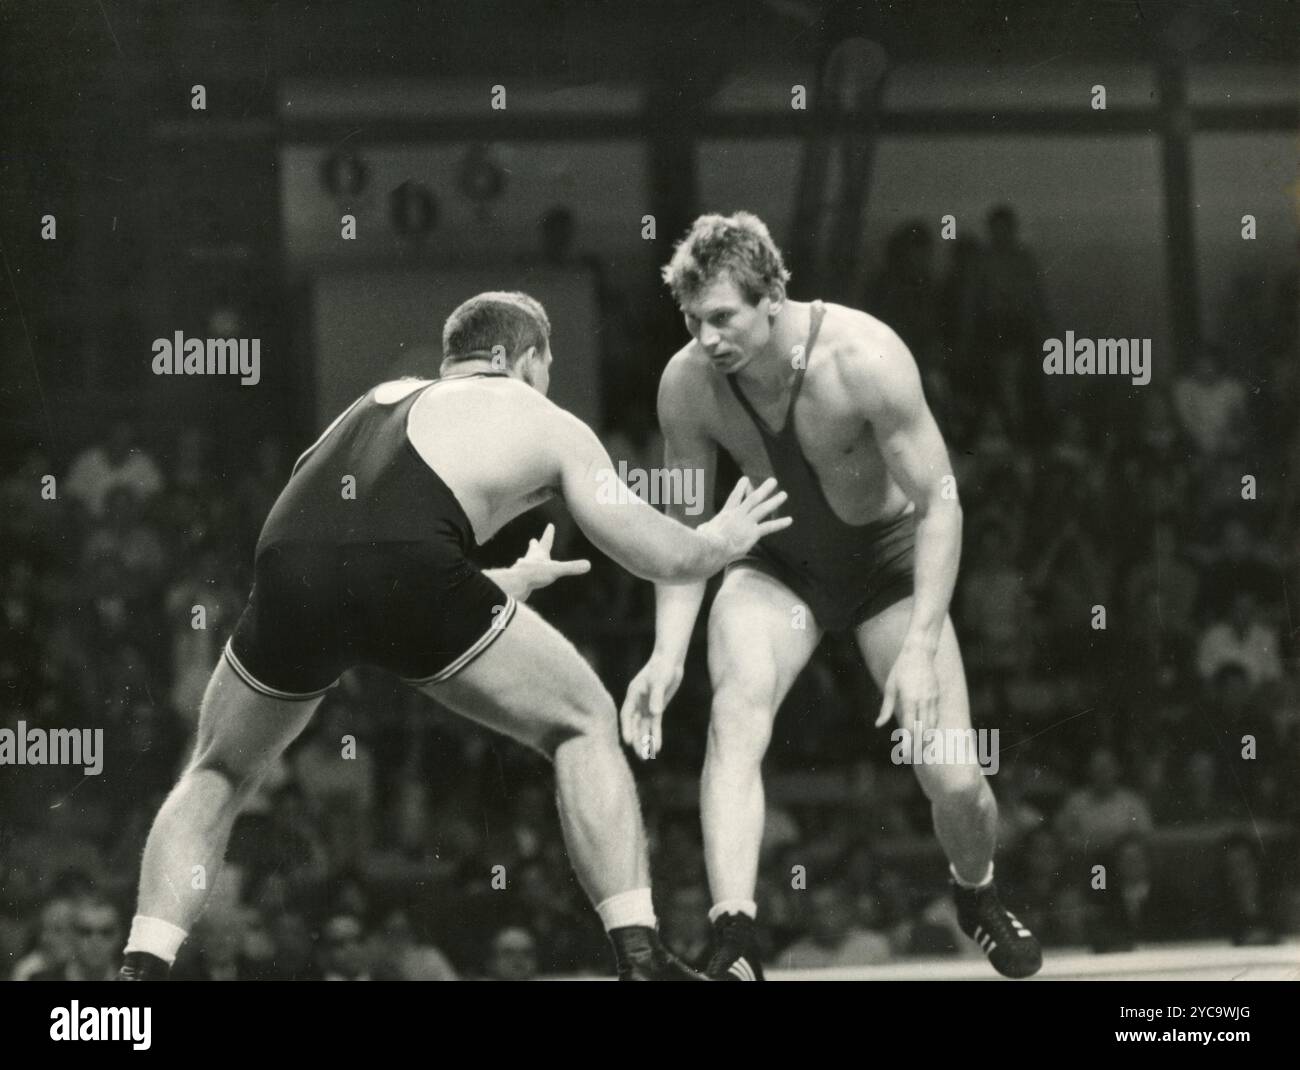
pixel 735 950
pixel 141 966
pixel 1012 949
pixel 641 957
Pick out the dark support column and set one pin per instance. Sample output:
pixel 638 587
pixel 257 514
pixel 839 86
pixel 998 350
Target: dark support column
pixel 672 123
pixel 1180 229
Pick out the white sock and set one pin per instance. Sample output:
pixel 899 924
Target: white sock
pixel 733 906
pixel 627 908
pixel 155 937
pixel 988 878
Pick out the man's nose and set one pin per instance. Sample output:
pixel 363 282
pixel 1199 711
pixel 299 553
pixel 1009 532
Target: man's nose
pixel 708 336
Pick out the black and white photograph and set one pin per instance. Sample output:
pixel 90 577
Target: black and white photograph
pixel 786 490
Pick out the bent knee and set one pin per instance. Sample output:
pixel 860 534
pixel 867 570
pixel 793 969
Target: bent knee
pixel 589 715
pixel 221 774
pixel 955 783
pixel 740 725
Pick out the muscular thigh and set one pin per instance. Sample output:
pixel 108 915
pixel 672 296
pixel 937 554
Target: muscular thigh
pixel 531 684
pixel 242 732
pixel 760 638
pixel 881 638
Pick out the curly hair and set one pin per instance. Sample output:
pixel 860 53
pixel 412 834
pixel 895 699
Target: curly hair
pixel 738 245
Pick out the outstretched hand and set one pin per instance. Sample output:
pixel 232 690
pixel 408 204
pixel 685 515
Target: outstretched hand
pixel 536 569
pixel 747 516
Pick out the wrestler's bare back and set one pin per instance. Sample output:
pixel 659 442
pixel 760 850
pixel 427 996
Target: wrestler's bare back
pixel 495 441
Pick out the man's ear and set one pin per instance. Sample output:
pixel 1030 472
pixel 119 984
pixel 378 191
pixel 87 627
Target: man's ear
pixel 776 298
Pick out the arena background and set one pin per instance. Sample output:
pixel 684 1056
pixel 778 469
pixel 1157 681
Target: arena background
pixel 1173 505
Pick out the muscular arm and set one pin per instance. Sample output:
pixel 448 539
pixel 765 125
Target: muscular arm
pixel 637 536
pixel 687 448
pixel 889 385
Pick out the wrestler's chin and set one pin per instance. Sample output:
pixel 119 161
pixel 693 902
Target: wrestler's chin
pixel 728 363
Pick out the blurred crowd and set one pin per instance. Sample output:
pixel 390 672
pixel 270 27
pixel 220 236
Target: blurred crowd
pixel 1122 610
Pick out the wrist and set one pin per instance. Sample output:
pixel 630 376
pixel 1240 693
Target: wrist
pixel 718 547
pixel 668 657
pixel 509 581
pixel 922 642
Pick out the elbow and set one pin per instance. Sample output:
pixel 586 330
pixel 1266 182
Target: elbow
pixel 661 565
pixel 691 561
pixel 943 508
pixel 680 566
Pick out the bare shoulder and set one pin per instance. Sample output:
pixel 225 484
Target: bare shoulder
pixel 686 386
pixel 867 358
pixel 686 374
pixel 557 432
pixel 502 403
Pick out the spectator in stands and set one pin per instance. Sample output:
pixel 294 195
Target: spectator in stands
pixel 994 602
pixel 534 820
pixel 1070 576
pixel 398 955
pixel 1246 913
pixel 202 582
pixel 1160 594
pixel 1161 441
pixel 1199 796
pixel 215 953
pixel 31 520
pixel 558 918
pixel 295 955
pixel 512 955
pixel 127 545
pixel 834 937
pixel 188 507
pixel 342 953
pixel 1136 905
pixel 1231 701
pixel 1282 771
pixel 1244 639
pixel 1009 319
pixel 904 293
pixel 1097 815
pixel 97 939
pixel 294 842
pixel 55 940
pixel 119 462
pixel 1210 404
pixel 335 771
pixel 1018 818
pixel 1043 897
pixel 993 469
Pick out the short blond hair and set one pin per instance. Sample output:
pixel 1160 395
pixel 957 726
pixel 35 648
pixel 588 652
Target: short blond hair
pixel 738 245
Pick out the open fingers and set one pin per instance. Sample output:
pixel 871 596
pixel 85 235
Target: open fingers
pixel 887 706
pixel 738 493
pixel 758 508
pixel 779 524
